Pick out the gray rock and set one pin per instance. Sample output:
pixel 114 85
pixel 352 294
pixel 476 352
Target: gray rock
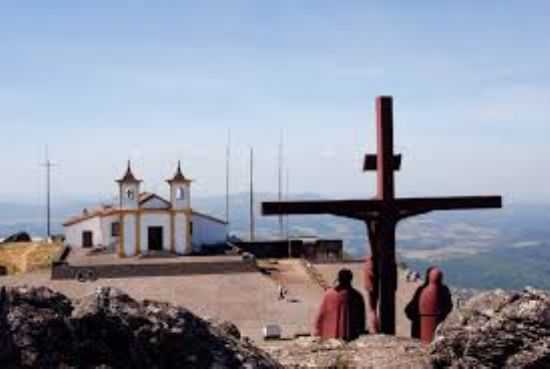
pixel 496 329
pixel 367 352
pixel 226 328
pixel 18 237
pixel 109 330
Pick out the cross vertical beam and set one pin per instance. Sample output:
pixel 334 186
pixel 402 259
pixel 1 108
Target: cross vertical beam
pixel 385 238
pixel 385 159
pixel 387 279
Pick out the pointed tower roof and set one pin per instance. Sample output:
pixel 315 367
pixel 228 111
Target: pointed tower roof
pixel 129 176
pixel 179 177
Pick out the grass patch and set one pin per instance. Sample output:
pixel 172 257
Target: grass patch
pixel 27 256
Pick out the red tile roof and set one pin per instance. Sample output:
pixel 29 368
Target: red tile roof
pixel 106 210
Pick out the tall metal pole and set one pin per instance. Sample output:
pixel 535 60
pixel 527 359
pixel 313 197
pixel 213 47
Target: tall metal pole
pixel 227 169
pixel 48 165
pixel 287 198
pixel 252 220
pixel 280 195
pixel 286 216
pixel 48 201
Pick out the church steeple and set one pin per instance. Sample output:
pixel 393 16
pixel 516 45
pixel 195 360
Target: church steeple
pixel 180 190
pixel 129 189
pixel 178 177
pixel 128 176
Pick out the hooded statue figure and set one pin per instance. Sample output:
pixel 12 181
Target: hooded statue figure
pixel 342 312
pixel 430 306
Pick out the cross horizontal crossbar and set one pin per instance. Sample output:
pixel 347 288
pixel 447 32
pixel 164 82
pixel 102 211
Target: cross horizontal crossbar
pixel 371 162
pixel 362 209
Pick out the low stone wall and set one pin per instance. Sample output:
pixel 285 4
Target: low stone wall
pixel 320 250
pixel 64 270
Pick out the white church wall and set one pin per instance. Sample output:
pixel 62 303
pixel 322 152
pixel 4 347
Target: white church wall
pixel 73 233
pixel 155 220
pixel 180 223
pixel 207 231
pixel 106 230
pixel 130 234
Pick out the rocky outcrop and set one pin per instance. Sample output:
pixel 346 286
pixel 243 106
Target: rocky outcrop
pixel 18 237
pixel 496 329
pixel 492 330
pixel 367 352
pixel 43 329
pixel 227 328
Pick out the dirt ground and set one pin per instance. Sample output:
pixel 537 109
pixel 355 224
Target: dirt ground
pixel 248 299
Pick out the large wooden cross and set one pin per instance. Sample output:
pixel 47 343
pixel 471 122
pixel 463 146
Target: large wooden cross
pixel 382 213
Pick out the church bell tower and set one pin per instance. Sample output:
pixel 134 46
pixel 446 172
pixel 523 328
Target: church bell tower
pixel 129 189
pixel 180 191
pixel 180 199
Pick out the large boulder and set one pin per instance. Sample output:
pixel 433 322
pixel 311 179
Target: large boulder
pixel 226 327
pixel 18 237
pixel 108 329
pixel 496 329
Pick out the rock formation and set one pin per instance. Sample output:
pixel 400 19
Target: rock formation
pixel 40 328
pixel 43 329
pixel 496 329
pixel 367 352
pixel 18 237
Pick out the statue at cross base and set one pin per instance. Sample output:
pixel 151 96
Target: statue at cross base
pixel 381 215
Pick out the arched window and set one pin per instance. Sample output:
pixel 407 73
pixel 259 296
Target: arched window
pixel 180 193
pixel 130 194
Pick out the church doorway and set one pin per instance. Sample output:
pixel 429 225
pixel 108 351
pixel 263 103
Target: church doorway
pixel 155 238
pixel 87 239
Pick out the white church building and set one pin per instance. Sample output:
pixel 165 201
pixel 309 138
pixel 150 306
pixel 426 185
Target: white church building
pixel 144 222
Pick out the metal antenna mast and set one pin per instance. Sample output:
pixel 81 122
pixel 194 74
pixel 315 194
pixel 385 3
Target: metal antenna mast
pixel 287 198
pixel 227 169
pixel 252 220
pixel 48 165
pixel 280 195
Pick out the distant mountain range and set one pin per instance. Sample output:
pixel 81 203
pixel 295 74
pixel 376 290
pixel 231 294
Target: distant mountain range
pixel 507 248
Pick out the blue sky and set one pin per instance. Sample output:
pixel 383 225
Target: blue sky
pixel 160 81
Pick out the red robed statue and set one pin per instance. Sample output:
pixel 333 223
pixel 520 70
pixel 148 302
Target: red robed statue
pixel 342 312
pixel 430 306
